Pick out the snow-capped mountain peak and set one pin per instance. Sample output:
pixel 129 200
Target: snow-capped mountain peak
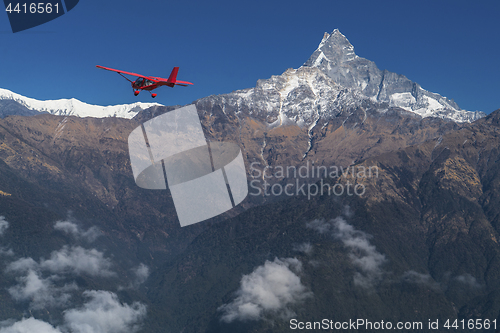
pixel 336 58
pixel 74 107
pixel 335 47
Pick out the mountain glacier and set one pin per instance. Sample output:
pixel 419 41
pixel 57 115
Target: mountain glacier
pixel 74 107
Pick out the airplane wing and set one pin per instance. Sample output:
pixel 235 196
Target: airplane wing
pixel 182 83
pixel 172 83
pixel 122 72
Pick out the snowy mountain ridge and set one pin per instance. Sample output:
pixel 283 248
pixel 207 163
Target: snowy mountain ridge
pixel 302 96
pixel 333 83
pixel 336 58
pixel 74 107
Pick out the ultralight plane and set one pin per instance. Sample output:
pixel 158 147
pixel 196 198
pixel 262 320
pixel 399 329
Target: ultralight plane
pixel 150 82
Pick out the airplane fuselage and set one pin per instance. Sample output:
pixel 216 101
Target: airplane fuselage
pixel 144 84
pixel 148 87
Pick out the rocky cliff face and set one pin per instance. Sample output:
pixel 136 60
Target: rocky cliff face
pixel 421 242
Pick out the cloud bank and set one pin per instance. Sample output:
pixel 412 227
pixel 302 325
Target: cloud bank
pixel 43 291
pixel 103 313
pixel 43 284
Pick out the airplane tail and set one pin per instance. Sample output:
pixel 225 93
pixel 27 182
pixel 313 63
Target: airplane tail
pixel 173 76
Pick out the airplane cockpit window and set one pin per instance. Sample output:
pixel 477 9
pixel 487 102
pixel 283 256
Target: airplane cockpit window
pixel 142 82
pixel 139 81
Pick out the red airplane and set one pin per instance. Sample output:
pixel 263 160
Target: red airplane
pixel 150 82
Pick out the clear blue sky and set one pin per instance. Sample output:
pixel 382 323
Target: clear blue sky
pixel 450 47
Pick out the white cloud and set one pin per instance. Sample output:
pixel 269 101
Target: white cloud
pixel 362 254
pixel 30 325
pixel 67 227
pixel 3 225
pixel 320 226
pixel 104 314
pixel 141 274
pixel 39 291
pixel 78 260
pixel 22 265
pixel 73 229
pixel 306 248
pixel 270 288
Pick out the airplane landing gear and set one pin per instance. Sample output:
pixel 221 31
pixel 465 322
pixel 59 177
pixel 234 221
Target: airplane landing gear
pixel 153 95
pixel 136 92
